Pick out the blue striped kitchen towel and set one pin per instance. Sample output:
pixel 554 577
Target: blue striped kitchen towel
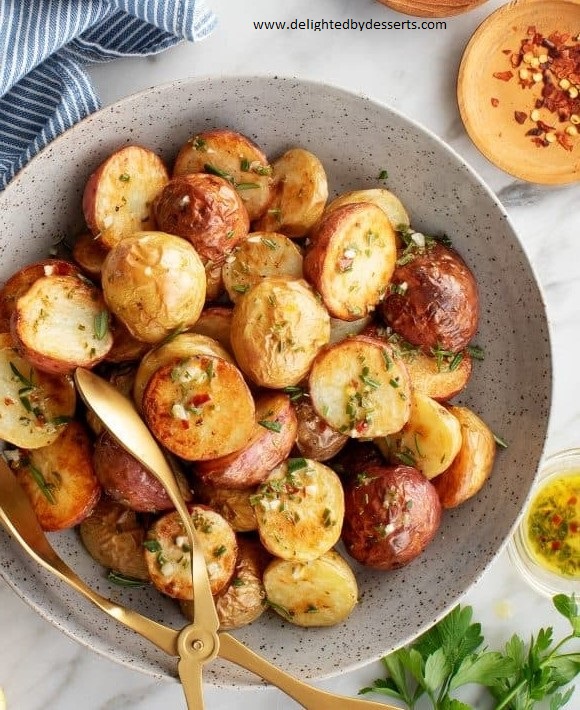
pixel 45 45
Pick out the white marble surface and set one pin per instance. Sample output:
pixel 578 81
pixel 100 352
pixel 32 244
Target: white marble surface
pixel 414 72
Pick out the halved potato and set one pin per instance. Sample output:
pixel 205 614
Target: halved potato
pixel 89 253
pixel 60 480
pixel 168 554
pixel 118 197
pixel 235 158
pixel 216 323
pixel 430 440
pixel 320 592
pixel 232 503
pixel 300 509
pixel 261 254
pixel 277 329
pixel 114 537
pixel 35 406
pixel 473 464
pixel 361 388
pixel 154 283
pixel 199 407
pixel 183 345
pixel 126 348
pixel 270 443
pixel 299 194
pixel 383 198
pixel 61 323
pixel 351 259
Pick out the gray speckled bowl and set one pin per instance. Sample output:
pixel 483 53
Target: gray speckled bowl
pixel 355 138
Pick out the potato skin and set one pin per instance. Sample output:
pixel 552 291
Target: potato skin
pixel 440 306
pixel 391 514
pixel 315 439
pixel 204 209
pixel 125 480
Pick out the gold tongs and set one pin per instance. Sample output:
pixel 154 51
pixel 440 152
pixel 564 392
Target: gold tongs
pixel 198 642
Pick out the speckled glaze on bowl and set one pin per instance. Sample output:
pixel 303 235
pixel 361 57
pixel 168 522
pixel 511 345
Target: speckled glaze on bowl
pixel 511 389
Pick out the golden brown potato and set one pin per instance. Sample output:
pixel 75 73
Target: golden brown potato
pixel 351 259
pixel 216 323
pixel 315 439
pixel 342 329
pixel 118 197
pixel 386 200
pixel 434 303
pixel 214 282
pixel 391 514
pixel 126 348
pixel 199 407
pixel 231 503
pixel 114 537
pixel 204 209
pixel 121 377
pixel 154 283
pixel 277 329
pixel 235 158
pixel 89 254
pixel 473 464
pixel 60 480
pixel 270 443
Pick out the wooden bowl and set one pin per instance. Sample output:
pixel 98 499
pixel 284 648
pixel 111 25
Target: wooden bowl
pixel 488 104
pixel 437 8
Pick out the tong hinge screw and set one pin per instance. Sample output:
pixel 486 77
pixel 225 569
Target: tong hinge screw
pixel 197 645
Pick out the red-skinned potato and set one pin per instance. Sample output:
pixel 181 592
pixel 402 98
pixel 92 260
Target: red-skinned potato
pixel 231 503
pixel 60 480
pixel 216 323
pixel 89 254
pixel 315 439
pixel 433 300
pixel 118 197
pixel 270 443
pixel 391 514
pixel 204 209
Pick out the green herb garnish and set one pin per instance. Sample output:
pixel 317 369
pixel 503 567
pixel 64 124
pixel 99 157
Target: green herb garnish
pixel 269 424
pixel 123 580
pixel 124 177
pixel 500 441
pixel 270 243
pixel 212 170
pixel 152 545
pixel 241 288
pixel 47 489
pixel 295 393
pixel 383 175
pixel 296 464
pixel 475 352
pixel 101 325
pixel 219 551
pixel 246 185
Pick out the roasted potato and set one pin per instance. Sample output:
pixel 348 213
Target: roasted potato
pixel 199 407
pixel 214 282
pixel 235 158
pixel 89 254
pixel 473 464
pixel 126 348
pixel 118 197
pixel 113 536
pixel 35 406
pixel 391 514
pixel 315 439
pixel 61 323
pixel 429 441
pixel 433 301
pixel 299 194
pixel 60 480
pixel 351 259
pixel 121 377
pixel 342 329
pixel 261 254
pixel 154 283
pixel 270 443
pixel 231 503
pixel 299 509
pixel 278 327
pixel 386 200
pixel 320 592
pixel 216 323
pixel 167 552
pixel 361 388
pixel 204 209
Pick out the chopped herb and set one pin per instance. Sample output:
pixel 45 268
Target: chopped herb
pixel 417 448
pixel 219 551
pixel 47 489
pixel 198 143
pixel 124 177
pixel 500 441
pixel 124 581
pixel 327 521
pixel 230 234
pixel 280 609
pixel 294 392
pixel 171 336
pixel 475 352
pixel 444 239
pixel 247 186
pixel 241 288
pixel 369 381
pixel 209 370
pixel 406 457
pixel 58 421
pixel 388 360
pixel 237 582
pixel 270 243
pixel 245 165
pixel 25 381
pixel 311 609
pixel 383 175
pixel 455 362
pixel 25 403
pixel 152 545
pixel 394 382
pixel 101 325
pixel 212 170
pixel 296 464
pixel 260 169
pixel 269 424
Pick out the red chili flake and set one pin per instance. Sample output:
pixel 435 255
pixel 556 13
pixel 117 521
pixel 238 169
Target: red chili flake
pixel 531 30
pixel 494 102
pixel 506 51
pixel 565 141
pixel 572 500
pixel 516 60
pixel 556 519
pixel 573 527
pixel 556 545
pixel 199 399
pixel 503 75
pixel 8 401
pixel 520 117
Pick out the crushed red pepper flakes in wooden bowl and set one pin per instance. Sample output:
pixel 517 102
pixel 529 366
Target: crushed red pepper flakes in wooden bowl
pixel 519 89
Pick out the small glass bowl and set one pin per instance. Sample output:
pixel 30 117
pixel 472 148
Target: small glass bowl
pixel 544 581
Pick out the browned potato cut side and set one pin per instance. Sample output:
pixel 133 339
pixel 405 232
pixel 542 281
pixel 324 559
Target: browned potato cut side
pixel 433 301
pixel 19 283
pixel 233 504
pixel 233 157
pixel 300 509
pixel 118 197
pixel 35 406
pixel 262 254
pixel 322 592
pixel 60 480
pixel 62 323
pixel 351 259
pixel 361 388
pixel 277 329
pixel 199 407
pixel 473 464
pixel 270 443
pixel 89 254
pixel 381 197
pixel 154 283
pixel 168 558
pixel 114 538
pixel 216 323
pixel 299 194
pixel 315 439
pixel 183 345
pixel 391 514
pixel 125 348
pixel 204 209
